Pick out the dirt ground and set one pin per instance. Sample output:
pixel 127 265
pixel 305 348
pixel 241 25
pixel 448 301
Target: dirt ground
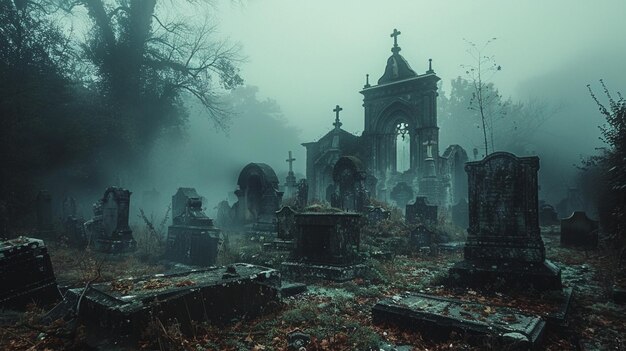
pixel 337 316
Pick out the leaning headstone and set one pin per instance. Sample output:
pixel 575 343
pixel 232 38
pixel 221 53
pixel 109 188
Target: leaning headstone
pixel 504 244
pixel 193 239
pixel 421 212
pixel 45 225
pixel 114 234
pixel 578 230
pixel 26 274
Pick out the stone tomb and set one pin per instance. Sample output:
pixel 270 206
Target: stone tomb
pixel 376 214
pixel 504 244
pixel 109 231
pixel 193 239
pixel 180 199
pixel 327 246
pixel 122 309
pixel 579 231
pixel 26 274
pixel 437 317
pixel 421 212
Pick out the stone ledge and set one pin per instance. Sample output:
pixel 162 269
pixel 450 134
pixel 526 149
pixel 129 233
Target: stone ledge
pixel 521 275
pixel 301 270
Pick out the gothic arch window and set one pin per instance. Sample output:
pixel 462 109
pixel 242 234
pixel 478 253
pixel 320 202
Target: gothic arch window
pixel 403 147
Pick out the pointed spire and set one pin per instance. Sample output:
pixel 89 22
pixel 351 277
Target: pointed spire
pixel 367 81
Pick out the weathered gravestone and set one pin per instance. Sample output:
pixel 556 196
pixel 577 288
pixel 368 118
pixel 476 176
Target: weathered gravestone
pixel 109 231
pixel 504 244
pixel 73 228
pixel 349 179
pixel 401 194
pixel 548 215
pixel 421 236
pixel 327 246
pixel 193 239
pixel 258 196
pixel 460 213
pixel 26 274
pixel 286 221
pixel 579 230
pixel 45 224
pixel 302 194
pixel 421 212
pixel 180 199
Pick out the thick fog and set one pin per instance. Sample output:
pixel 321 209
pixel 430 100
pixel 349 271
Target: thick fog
pixel 303 58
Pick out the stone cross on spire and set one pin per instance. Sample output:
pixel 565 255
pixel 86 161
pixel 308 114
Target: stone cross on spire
pixel 394 35
pixel 337 123
pixel 290 161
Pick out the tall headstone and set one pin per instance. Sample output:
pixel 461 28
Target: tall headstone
pixel 285 219
pixel 115 235
pixel 504 242
pixel 579 230
pixel 302 194
pixel 349 178
pixel 548 215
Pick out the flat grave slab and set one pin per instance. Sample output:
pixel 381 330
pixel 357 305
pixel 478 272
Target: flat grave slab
pixel 437 317
pixel 122 309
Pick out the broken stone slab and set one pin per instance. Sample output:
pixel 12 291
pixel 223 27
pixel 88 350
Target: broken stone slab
pixel 26 274
pixel 303 270
pixel 452 246
pixel 540 276
pixel 123 309
pixel 436 317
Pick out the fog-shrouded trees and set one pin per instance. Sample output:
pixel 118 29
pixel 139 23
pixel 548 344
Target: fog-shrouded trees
pixel 146 64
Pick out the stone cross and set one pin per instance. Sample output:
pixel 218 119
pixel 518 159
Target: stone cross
pixel 290 161
pixel 394 35
pixel 337 123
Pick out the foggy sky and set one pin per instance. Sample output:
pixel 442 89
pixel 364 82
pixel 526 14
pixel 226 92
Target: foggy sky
pixel 311 55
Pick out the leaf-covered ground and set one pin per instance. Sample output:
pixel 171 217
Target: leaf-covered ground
pixel 336 316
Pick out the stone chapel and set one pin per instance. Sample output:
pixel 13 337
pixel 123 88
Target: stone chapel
pixel 399 145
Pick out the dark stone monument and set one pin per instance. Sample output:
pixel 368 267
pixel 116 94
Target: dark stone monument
pixel 421 237
pixel 548 215
pixel 180 200
pixel 578 230
pixel 421 212
pixel 504 244
pixel 286 221
pixel 258 195
pixel 460 213
pixel 121 310
pixel 26 274
pixel 45 224
pixel 302 194
pixel 401 194
pixel 327 246
pixel 349 178
pixel 193 239
pixel 109 228
pixel 69 207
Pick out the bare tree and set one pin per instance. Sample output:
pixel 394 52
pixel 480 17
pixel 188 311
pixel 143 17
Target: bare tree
pixel 485 98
